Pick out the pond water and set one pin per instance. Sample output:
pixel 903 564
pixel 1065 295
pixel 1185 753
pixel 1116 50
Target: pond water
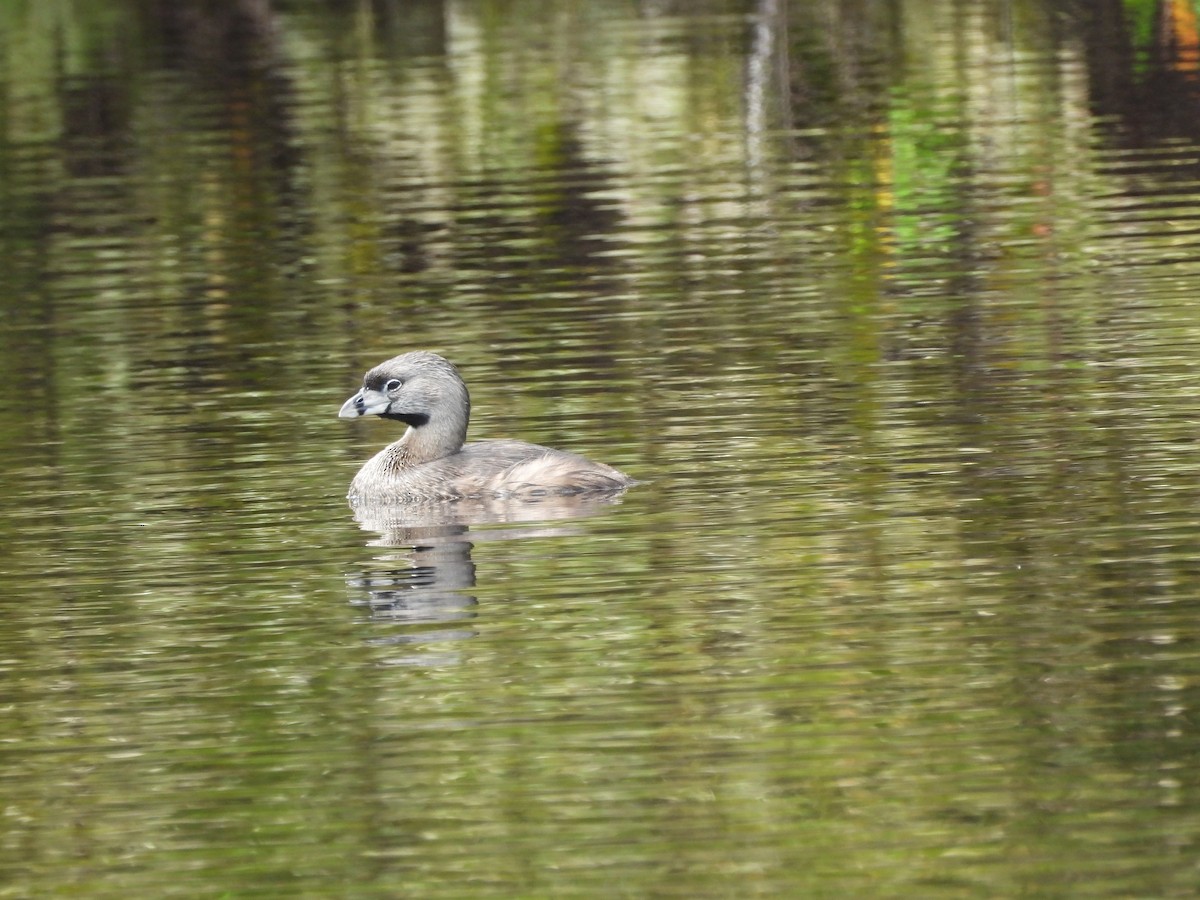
pixel 891 308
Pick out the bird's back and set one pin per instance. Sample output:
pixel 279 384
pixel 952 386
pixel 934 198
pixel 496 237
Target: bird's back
pixel 501 468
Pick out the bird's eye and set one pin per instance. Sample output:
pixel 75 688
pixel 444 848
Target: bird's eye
pixel 393 384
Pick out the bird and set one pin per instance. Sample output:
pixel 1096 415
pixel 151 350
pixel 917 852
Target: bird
pixel 432 463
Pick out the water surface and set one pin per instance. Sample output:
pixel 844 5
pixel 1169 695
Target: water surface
pixel 891 308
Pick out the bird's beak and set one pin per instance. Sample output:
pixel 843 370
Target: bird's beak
pixel 365 403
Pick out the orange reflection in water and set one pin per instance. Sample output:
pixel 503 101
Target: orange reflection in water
pixel 1181 35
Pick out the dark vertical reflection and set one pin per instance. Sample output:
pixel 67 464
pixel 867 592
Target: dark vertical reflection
pixel 1152 87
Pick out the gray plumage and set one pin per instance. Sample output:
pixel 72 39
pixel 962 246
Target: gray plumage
pixel 431 462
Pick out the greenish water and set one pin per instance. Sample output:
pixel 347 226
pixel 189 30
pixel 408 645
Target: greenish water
pixel 891 307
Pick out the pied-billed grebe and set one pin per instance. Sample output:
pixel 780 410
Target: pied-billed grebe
pixel 425 392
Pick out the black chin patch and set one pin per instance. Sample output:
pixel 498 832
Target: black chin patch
pixel 416 420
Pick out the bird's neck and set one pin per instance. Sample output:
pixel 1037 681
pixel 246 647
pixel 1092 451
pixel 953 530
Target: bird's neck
pixel 427 443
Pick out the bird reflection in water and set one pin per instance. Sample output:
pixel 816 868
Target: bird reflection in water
pixel 427 582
